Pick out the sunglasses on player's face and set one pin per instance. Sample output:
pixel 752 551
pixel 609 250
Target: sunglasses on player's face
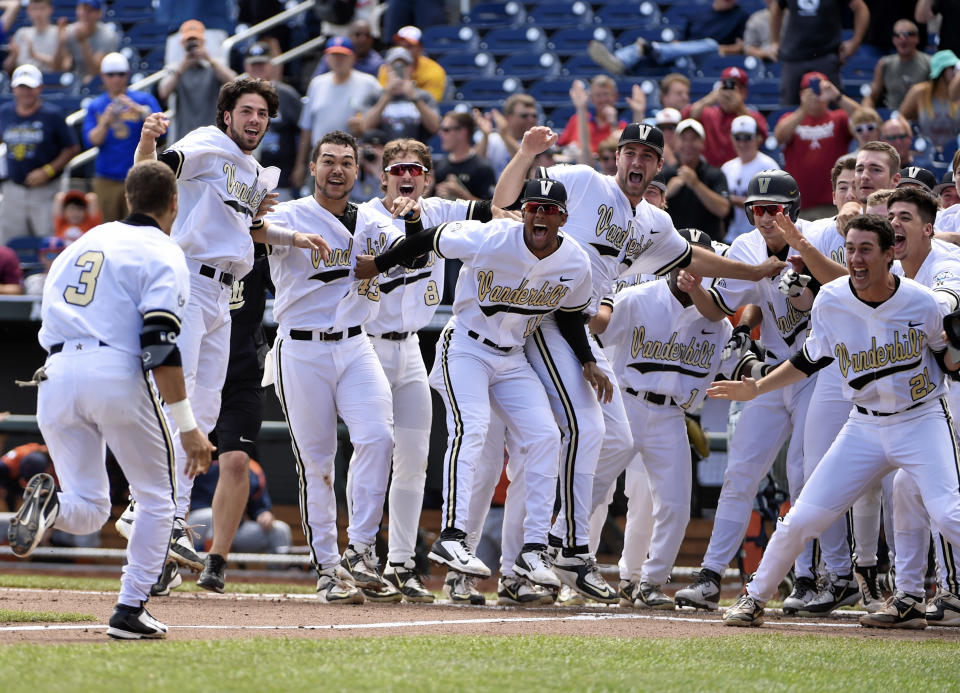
pixel 772 210
pixel 406 169
pixel 547 208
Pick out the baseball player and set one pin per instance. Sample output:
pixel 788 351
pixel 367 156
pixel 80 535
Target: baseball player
pixel 935 265
pixel 111 312
pixel 514 276
pixel 407 304
pixel 772 418
pixel 666 354
pixel 224 193
pixel 622 234
pixel 886 333
pixel 326 366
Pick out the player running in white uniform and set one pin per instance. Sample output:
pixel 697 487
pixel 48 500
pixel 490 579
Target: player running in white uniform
pixel 887 335
pixel 622 234
pixel 111 312
pixel 407 304
pixel 935 265
pixel 223 193
pixel 666 354
pixel 326 366
pixel 514 275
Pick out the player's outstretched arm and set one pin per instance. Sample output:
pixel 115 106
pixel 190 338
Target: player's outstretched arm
pixel 535 140
pixel 170 383
pixel 274 234
pixel 692 285
pixel 154 127
pixel 403 251
pixel 709 264
pixel 819 265
pixel 747 388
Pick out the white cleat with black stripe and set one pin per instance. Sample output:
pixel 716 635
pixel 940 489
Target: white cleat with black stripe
pixel 134 623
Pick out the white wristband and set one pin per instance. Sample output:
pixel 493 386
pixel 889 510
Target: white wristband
pixel 182 414
pixel 278 235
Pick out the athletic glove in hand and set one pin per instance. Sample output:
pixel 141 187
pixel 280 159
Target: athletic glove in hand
pixel 738 344
pixel 792 283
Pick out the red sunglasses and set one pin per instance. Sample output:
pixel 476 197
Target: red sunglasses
pixel 772 210
pixel 547 208
pixel 406 169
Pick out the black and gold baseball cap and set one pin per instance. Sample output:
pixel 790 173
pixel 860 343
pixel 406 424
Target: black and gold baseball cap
pixel 641 133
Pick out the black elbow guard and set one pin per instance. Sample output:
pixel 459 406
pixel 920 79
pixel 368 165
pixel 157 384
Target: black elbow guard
pixel 158 341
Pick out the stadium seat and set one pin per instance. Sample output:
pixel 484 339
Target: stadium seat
pixel 528 66
pixel 437 40
pixel 628 15
pixel 551 93
pixel 567 42
pixel 490 15
pixel 509 41
pixel 145 36
pixel 487 92
pixel 26 247
pixel 715 64
pixel 630 36
pixel 551 16
pixel 129 11
pixel 467 65
pixel 557 117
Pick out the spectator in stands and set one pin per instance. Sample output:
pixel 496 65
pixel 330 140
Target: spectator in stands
pixel 949 11
pixel 934 105
pixel 667 120
pixel 716 112
pixel 897 133
pixel 585 147
pixel 279 146
pixel 11 276
pixel 39 145
pixel 865 125
pixel 401 109
pixel 82 45
pixel 606 161
pixel 696 191
pixel 718 30
pixel 74 213
pixel 741 169
pixel 946 190
pixel 813 137
pixel 426 13
pixel 603 119
pixel 500 133
pixel 218 16
pixel 365 58
pixel 756 37
pixel 656 192
pixel 195 82
pixel 428 74
pixel 462 173
pixel 259 532
pixel 335 101
pixel 813 41
pixel 370 166
pixel 896 73
pixel 675 91
pixel 113 123
pixel 35 44
pixel 47 253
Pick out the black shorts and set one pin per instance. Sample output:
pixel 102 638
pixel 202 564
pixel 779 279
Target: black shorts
pixel 241 413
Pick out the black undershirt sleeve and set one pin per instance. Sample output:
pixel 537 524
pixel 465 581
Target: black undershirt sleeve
pixel 407 249
pixel 481 211
pixel 570 324
pixel 806 366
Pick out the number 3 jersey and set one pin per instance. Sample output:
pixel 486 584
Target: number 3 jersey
pixel 313 294
pixel 105 282
pixel 885 353
pixel 504 290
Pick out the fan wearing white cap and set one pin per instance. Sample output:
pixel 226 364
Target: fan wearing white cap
pixel 428 74
pixel 113 123
pixel 739 170
pixel 667 120
pixel 39 145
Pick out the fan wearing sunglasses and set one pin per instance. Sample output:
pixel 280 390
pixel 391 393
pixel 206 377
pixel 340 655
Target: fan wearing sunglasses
pixel 896 73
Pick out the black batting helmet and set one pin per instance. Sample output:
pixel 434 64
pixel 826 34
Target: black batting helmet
pixel 773 185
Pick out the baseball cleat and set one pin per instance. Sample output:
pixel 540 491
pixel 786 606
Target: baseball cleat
pixel 408 582
pixel 568 597
pixel 840 590
pixel 651 597
pixel 385 593
pixel 331 589
pixel 944 609
pixel 450 549
pixel 124 523
pixel 37 514
pixel 746 612
pixel 533 564
pixel 359 566
pixel 603 57
pixel 134 623
pixel 704 593
pixel 580 573
pixel 460 588
pixel 871 597
pixel 514 590
pixel 899 611
pixel 804 589
pixel 181 546
pixel 170 579
pixel 213 576
pixel 627 591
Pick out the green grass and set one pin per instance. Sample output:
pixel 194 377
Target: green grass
pixel 57 582
pixel 17 616
pixel 746 662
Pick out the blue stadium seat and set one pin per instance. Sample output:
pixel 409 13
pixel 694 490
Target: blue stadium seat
pixel 129 11
pixel 508 41
pixel 527 66
pixel 856 89
pixel 145 36
pixel 650 34
pixel 557 117
pixel 713 65
pixel 583 67
pixel 551 93
pixel 26 247
pixel 551 16
pixel 437 40
pixel 628 15
pixel 764 94
pixel 490 15
pixel 467 65
pixel 487 92
pixel 775 115
pixel 567 42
